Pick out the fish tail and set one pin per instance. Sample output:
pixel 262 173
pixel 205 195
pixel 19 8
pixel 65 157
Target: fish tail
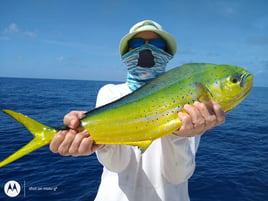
pixel 42 136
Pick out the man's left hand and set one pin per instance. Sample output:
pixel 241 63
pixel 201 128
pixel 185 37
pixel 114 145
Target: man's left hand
pixel 199 118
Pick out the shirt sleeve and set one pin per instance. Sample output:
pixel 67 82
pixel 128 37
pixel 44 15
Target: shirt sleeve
pixel 178 157
pixel 113 157
pixel 105 95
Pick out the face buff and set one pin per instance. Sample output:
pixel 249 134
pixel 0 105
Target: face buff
pixel 145 63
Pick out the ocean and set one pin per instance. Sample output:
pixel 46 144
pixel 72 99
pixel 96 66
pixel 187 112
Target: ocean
pixel 231 163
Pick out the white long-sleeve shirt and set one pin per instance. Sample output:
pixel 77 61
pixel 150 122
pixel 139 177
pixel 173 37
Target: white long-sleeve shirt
pixel 161 173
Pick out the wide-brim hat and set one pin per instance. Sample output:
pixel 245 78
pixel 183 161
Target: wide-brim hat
pixel 148 25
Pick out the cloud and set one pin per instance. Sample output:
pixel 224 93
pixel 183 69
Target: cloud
pixel 228 10
pixel 13 29
pixel 225 8
pixel 60 59
pixel 30 34
pixel 68 44
pixel 259 72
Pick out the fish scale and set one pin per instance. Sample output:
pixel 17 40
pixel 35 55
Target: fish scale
pixel 150 112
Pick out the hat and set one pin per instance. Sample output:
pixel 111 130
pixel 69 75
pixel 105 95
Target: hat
pixel 148 25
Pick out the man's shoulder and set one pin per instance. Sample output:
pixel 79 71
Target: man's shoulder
pixel 115 87
pixel 111 92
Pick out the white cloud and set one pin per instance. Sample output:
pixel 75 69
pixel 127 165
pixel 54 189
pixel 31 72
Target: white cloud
pixel 60 59
pixel 13 28
pixel 30 34
pixel 68 44
pixel 225 8
pixel 229 10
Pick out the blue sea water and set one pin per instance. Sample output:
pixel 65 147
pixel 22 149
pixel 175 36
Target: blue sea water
pixel 232 160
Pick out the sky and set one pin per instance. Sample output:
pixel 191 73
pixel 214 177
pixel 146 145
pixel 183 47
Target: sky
pixel 79 39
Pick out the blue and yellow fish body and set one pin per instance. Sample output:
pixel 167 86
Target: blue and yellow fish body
pixel 150 112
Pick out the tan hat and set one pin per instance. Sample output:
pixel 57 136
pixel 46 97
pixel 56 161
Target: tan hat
pixel 148 25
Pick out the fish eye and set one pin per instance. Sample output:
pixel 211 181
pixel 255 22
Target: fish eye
pixel 234 80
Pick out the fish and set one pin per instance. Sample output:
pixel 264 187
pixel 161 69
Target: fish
pixel 150 112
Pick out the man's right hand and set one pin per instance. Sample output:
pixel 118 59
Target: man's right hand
pixel 70 142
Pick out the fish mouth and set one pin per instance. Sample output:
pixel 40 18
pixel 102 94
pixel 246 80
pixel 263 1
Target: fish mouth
pixel 245 78
pixel 246 82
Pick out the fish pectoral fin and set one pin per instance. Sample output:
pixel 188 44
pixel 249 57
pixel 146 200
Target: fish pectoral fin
pixel 142 145
pixel 203 93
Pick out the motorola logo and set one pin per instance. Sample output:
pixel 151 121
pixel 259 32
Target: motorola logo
pixel 12 188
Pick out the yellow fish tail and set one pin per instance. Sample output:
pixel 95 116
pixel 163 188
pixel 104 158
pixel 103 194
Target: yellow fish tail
pixel 42 136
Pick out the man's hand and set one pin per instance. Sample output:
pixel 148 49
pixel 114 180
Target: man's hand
pixel 199 118
pixel 71 142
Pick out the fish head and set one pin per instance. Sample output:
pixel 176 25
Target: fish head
pixel 233 86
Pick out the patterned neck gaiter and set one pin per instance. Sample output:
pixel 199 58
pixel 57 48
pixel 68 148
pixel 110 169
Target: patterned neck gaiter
pixel 145 63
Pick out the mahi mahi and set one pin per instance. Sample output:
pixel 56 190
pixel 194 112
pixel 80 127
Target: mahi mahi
pixel 150 112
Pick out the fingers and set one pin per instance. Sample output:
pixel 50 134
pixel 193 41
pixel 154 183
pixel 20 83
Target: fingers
pixel 186 126
pixel 57 140
pixel 76 143
pixel 207 114
pixel 219 112
pixel 62 141
pixel 212 113
pixel 88 146
pixel 192 122
pixel 70 142
pixel 72 119
pixel 198 122
pixel 199 118
pixel 64 147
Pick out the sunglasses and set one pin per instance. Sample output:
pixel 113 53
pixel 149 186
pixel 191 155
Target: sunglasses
pixel 137 42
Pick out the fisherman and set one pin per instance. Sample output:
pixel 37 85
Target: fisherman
pixel 163 170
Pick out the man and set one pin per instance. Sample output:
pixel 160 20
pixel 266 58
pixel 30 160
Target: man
pixel 163 170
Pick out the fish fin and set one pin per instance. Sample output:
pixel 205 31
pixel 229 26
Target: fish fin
pixel 31 146
pixel 142 145
pixel 203 93
pixel 42 136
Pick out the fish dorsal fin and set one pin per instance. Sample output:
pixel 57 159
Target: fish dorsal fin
pixel 203 93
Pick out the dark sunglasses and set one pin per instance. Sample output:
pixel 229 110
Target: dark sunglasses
pixel 137 42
